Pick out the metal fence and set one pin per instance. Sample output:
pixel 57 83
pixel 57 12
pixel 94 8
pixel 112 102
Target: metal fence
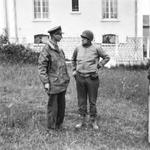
pixel 133 51
pixel 146 47
pixel 130 52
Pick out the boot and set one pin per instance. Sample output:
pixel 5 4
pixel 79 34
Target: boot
pixel 94 124
pixel 60 127
pixel 81 123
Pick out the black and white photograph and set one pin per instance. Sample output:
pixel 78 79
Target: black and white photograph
pixel 74 74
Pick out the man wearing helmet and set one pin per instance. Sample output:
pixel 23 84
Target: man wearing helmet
pixel 86 62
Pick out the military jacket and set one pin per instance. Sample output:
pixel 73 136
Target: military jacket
pixel 52 68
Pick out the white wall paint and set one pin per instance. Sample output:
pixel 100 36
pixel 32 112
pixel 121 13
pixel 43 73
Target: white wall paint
pixel 2 16
pixel 11 21
pixel 143 9
pixel 74 24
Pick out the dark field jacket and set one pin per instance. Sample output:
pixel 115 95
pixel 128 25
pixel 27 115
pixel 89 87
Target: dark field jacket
pixel 52 68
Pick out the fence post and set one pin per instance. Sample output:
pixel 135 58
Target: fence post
pixel 149 112
pixel 116 49
pixel 148 51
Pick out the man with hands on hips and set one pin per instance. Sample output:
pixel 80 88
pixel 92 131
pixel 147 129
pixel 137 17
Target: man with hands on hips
pixel 86 62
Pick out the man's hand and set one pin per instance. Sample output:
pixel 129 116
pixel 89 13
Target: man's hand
pixel 99 66
pixel 148 76
pixel 47 87
pixel 74 73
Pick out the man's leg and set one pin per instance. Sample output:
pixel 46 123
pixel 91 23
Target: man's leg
pixel 61 108
pixel 82 100
pixel 52 111
pixel 92 93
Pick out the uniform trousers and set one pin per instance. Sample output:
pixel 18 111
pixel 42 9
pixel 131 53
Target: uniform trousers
pixel 87 88
pixel 56 110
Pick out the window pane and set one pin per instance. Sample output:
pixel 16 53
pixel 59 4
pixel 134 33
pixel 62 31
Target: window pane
pixel 113 8
pixel 116 9
pixel 45 9
pixel 45 15
pixel 40 38
pixel 109 9
pixel 37 9
pixel 41 8
pixel 75 5
pixel 109 39
pixel 105 9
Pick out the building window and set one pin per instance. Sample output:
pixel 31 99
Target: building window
pixel 41 9
pixel 109 39
pixel 40 38
pixel 109 9
pixel 146 25
pixel 75 5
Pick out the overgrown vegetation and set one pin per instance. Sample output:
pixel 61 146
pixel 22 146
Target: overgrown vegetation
pixel 122 108
pixel 122 112
pixel 17 54
pixel 4 38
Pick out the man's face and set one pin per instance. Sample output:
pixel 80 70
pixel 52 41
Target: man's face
pixel 84 40
pixel 57 36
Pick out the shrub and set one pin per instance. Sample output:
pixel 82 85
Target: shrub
pixel 4 37
pixel 17 53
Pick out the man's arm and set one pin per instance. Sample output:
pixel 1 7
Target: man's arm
pixel 43 63
pixel 102 54
pixel 74 60
pixel 148 76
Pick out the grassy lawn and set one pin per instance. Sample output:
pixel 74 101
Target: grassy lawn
pixel 122 112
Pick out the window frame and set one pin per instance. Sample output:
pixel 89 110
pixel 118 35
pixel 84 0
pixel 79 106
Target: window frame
pixel 75 11
pixel 109 18
pixel 109 35
pixel 41 18
pixel 38 38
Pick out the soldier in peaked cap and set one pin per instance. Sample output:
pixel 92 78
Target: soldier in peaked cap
pixel 54 76
pixel 55 30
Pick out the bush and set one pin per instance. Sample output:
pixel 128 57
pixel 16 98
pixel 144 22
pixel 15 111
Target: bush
pixel 4 37
pixel 17 53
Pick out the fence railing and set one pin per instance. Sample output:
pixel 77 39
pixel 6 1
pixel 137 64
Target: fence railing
pixel 146 47
pixel 133 51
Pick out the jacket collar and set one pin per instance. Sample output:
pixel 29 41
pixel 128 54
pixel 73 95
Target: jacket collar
pixel 53 45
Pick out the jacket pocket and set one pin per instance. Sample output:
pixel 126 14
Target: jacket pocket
pixel 53 78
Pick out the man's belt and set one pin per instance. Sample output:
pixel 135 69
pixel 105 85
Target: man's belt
pixel 85 74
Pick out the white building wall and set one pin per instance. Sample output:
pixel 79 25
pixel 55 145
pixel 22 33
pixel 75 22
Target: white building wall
pixel 11 20
pixel 90 17
pixel 2 16
pixel 73 24
pixel 143 9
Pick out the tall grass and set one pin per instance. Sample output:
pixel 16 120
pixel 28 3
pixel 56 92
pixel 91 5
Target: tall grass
pixel 121 105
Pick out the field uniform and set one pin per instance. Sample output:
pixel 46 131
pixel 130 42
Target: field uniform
pixel 85 62
pixel 53 70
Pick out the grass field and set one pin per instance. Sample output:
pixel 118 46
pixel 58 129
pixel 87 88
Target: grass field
pixel 122 112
